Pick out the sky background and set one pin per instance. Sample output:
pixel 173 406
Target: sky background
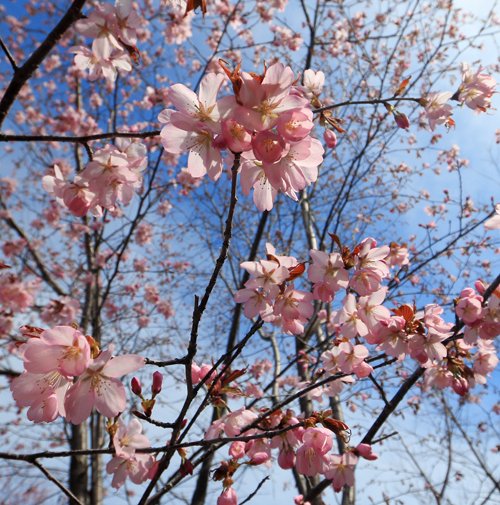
pixel 475 136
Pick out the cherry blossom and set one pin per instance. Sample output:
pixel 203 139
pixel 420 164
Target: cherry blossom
pixel 99 387
pixel 137 468
pixel 61 349
pixel 43 393
pixel 312 455
pixel 128 438
pixel 476 90
pixel 437 109
pixel 341 470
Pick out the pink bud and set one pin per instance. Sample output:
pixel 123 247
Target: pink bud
pixel 330 139
pixel 365 451
pixel 157 383
pixel 228 497
pixel 460 386
pixel 135 384
pixel 401 120
pixel 480 286
pixel 286 459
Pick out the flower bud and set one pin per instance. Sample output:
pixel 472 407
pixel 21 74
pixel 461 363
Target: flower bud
pixel 157 383
pixel 401 120
pixel 228 497
pixel 135 384
pixel 330 139
pixel 365 451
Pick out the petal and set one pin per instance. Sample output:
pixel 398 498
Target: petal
pixel 110 397
pixel 183 99
pixel 209 87
pixel 79 401
pixel 60 335
pixel 40 357
pixel 121 365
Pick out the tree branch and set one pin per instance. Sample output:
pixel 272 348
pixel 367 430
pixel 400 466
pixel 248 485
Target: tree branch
pixel 23 73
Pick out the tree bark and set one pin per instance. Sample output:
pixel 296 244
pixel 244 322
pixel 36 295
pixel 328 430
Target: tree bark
pixel 78 464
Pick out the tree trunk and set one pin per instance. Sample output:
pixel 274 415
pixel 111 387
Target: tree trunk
pixel 78 464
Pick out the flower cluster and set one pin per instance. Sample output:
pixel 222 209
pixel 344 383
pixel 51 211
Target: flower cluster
pixel 267 121
pixel 113 175
pixel 114 30
pixel 303 444
pixel 469 361
pixel 53 359
pixel 268 295
pixel 362 318
pixel 475 91
pixel 15 296
pixel 62 311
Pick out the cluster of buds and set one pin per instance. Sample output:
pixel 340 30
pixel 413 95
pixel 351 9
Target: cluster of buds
pixel 147 403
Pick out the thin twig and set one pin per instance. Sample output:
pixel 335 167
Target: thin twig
pixel 9 56
pixel 57 482
pixel 256 490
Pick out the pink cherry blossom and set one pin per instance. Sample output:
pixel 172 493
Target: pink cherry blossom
pixel 295 308
pixel 42 393
pixel 398 256
pixel 137 468
pixel 476 90
pixel 99 65
pixel 236 137
pixel 371 311
pixel 76 196
pixel 237 420
pixel 63 311
pixel 255 303
pixel 128 438
pixel 253 176
pixel 427 348
pixel 392 337
pixel 365 451
pixel 261 103
pixel 295 125
pixel 99 387
pixel 258 450
pixel 437 109
pixel 350 320
pixel 328 274
pixel 61 348
pixel 341 470
pixel 312 454
pixel 199 373
pixel 265 274
pixel 192 127
pixel 469 306
pixel 16 295
pixel 268 147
